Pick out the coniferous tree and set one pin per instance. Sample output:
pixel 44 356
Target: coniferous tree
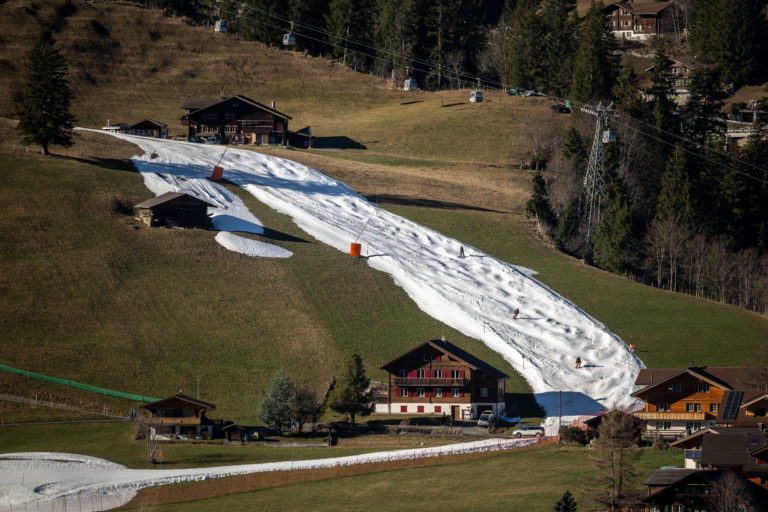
pixel 731 36
pixel 45 118
pixel 701 114
pixel 394 32
pixel 350 27
pixel 614 235
pixel 538 204
pixel 566 503
pixel 252 26
pixel 527 32
pixel 278 408
pixel 595 66
pixel 661 108
pixel 674 200
pixel 627 92
pixel 558 46
pixel 352 395
pixel 756 150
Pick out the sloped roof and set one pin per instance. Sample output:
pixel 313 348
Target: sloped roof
pixel 731 449
pixel 167 197
pixel 597 420
pixel 198 103
pixel 239 97
pixel 643 8
pixel 755 400
pixel 177 399
pixel 452 350
pixel 150 121
pixel 667 476
pixel 750 492
pixel 725 377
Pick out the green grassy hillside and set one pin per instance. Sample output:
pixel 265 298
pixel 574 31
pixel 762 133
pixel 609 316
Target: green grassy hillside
pixel 90 296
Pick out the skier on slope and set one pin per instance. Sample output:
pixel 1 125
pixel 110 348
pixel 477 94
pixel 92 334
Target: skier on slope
pixel 516 312
pixel 578 362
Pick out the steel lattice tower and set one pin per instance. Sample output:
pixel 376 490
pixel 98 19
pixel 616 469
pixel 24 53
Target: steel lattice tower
pixel 594 179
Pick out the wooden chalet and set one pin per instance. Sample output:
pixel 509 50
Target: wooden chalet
pixel 640 20
pixel 147 128
pixel 678 489
pixel 248 120
pixel 438 377
pixel 593 424
pixel 680 402
pixel 174 209
pixel 186 415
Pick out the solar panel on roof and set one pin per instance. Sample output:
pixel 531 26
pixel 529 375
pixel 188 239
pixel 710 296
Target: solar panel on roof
pixel 732 402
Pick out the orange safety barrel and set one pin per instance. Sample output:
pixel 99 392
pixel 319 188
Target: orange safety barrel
pixel 354 250
pixel 217 172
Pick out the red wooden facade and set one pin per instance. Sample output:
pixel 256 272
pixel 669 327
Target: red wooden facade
pixel 639 19
pixel 440 378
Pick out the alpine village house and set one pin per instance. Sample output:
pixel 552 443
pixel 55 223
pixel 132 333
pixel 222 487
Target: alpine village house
pixel 679 402
pixel 439 377
pixel 238 116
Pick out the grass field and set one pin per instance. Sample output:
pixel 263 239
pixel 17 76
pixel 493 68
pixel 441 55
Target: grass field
pixel 526 479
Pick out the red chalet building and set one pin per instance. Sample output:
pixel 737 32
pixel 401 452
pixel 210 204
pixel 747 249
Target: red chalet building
pixel 438 377
pixel 640 20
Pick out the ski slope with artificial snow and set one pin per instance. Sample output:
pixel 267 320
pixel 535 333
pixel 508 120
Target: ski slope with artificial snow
pixel 476 294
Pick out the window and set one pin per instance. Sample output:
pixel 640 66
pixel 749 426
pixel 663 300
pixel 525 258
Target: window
pixel 403 373
pixel 438 408
pixel 484 392
pixel 403 392
pixel 662 407
pixel 663 425
pixel 454 374
pixel 697 407
pixel 692 426
pixel 677 388
pixel 454 392
pixel 692 407
pixel 760 411
pixel 403 408
pixel 702 387
pixel 426 356
pixel 420 391
pixel 438 391
pixel 420 374
pixel 713 408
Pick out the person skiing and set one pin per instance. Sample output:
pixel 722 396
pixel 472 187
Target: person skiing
pixel 461 251
pixel 578 362
pixel 516 312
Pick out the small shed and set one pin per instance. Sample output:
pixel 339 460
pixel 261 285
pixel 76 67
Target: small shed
pixel 233 432
pixel 174 209
pixel 410 85
pixel 148 128
pixel 181 413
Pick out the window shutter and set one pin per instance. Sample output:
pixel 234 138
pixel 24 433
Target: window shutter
pixel 437 358
pixel 461 394
pixel 412 374
pixel 397 392
pixel 461 374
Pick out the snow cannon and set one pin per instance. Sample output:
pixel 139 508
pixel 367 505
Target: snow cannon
pixel 354 250
pixel 217 173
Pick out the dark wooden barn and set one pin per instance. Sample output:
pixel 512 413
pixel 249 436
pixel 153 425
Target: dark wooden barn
pixel 248 120
pixel 147 128
pixel 174 209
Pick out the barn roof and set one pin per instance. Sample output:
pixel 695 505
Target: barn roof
pixel 179 399
pixel 149 121
pixel 168 197
pixel 452 350
pixel 196 105
pixel 642 8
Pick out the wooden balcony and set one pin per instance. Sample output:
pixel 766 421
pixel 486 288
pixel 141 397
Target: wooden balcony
pixel 430 382
pixel 673 416
pixel 187 420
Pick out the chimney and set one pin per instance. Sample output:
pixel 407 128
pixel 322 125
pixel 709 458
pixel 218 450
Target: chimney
pixel 273 104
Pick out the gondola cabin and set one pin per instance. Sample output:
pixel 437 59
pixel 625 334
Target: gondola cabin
pixel 475 97
pixel 289 39
pixel 410 85
pixel 609 136
pixel 220 26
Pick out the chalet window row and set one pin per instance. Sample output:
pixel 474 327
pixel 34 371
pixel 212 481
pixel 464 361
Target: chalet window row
pixel 431 374
pixel 420 408
pixel 432 393
pixel 693 407
pixel 701 387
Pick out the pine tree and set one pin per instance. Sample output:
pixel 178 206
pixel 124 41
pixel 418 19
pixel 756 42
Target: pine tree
pixel 394 32
pixel 559 44
pixel 627 93
pixel 350 27
pixel 614 236
pixel 538 204
pixel 527 34
pixel 702 110
pixel 279 407
pixel 661 108
pixel 352 395
pixel 45 118
pixel 675 197
pixel 565 504
pixel 595 66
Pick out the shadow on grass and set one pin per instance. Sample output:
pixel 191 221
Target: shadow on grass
pixel 452 104
pixel 117 164
pixel 284 237
pixel 427 203
pixel 338 142
pixel 412 102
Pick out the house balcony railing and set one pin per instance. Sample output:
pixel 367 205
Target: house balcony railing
pixel 673 416
pixel 445 383
pixel 186 420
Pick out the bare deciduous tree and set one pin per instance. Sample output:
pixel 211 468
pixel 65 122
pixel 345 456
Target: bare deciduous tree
pixel 614 453
pixel 726 493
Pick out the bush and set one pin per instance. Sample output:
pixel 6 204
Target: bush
pixel 572 435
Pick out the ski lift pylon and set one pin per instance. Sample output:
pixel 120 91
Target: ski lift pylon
pixel 289 39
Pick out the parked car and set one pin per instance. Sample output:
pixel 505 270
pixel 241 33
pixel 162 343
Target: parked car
pixel 526 431
pixel 213 139
pixel 486 419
